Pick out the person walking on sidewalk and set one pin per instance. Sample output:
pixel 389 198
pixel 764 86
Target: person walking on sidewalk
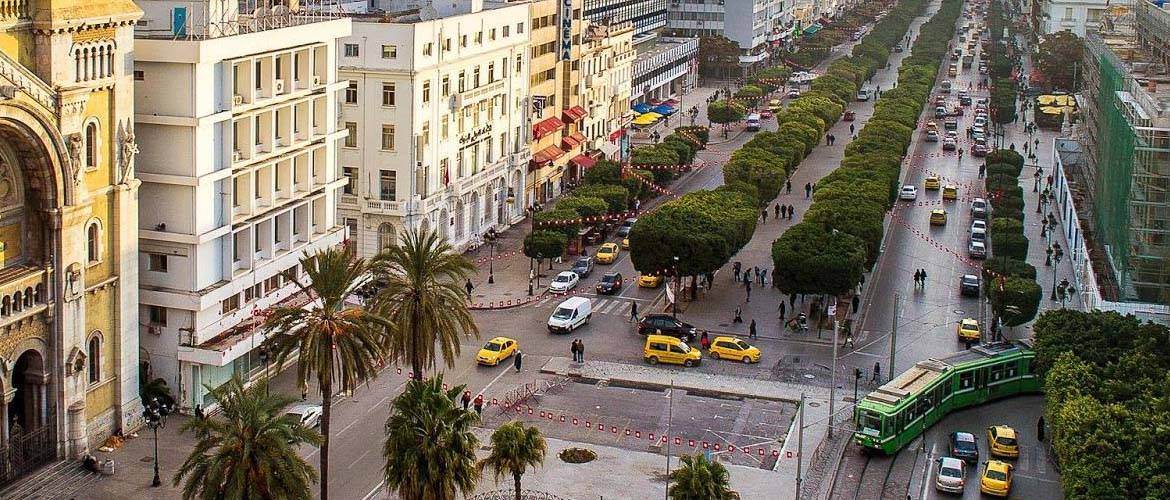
pixel 782 309
pixel 573 349
pixel 917 278
pixel 519 361
pixel 633 312
pixel 924 278
pixel 848 340
pixel 783 210
pixel 856 303
pixel 478 404
pixel 748 287
pixel 737 315
pixel 466 399
pixel 776 211
pixel 791 212
pixel 877 372
pixel 752 329
pixel 788 186
pixel 705 340
pixel 807 189
pixel 469 288
pixel 737 266
pixel 580 351
pixel 763 215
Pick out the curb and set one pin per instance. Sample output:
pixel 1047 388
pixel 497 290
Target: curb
pixel 639 384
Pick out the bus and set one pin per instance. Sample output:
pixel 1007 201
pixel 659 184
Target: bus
pixel 890 417
pixel 753 122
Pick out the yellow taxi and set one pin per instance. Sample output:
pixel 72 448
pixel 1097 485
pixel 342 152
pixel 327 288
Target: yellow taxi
pixel 650 280
pixel 932 126
pixel 608 253
pixel 733 349
pixel 496 350
pixel 997 478
pixel 625 243
pixel 950 192
pixel 664 349
pixel 938 217
pixel 969 329
pixel 1002 441
pixel 774 105
pixel 932 183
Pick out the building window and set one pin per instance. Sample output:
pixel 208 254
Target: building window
pixel 519 27
pixel 93 240
pixel 445 127
pixel 426 92
pixel 351 92
pixel 492 34
pixel 351 50
pixel 385 235
pixel 95 358
pixel 429 48
pixel 389 52
pixel 389 93
pixel 445 171
pixel 507 28
pixel 446 85
pixel 139 75
pixel 479 38
pixel 350 174
pixel 446 45
pixel 519 63
pixel 387 181
pixel 91 145
pixel 463 41
pixel 158 315
pixel 158 263
pixel 491 72
pixel 462 81
pixel 387 137
pixel 230 304
pixel 475 78
pixel 426 134
pixel 351 134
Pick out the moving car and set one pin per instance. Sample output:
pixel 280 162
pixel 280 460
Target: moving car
pixel 665 324
pixel 950 192
pixel 753 122
pixel 774 105
pixel 938 217
pixel 624 229
pixel 496 350
pixel 980 149
pixel 610 283
pixel 664 349
pixel 949 144
pixel 765 114
pixel 734 349
pixel 1001 439
pixel 608 253
pixel 650 280
pixel 309 415
pixel 952 475
pixel 570 314
pixel 978 225
pixel 969 285
pixel 794 93
pixel 626 243
pixel 940 112
pixel 565 281
pixel 951 124
pixel 964 447
pixel 931 183
pixel 977 250
pixel 980 208
pixel 863 95
pixel 909 192
pixel 997 478
pixel 968 330
pixel 582 266
pixel 931 136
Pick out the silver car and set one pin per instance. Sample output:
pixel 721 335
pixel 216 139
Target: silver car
pixel 952 475
pixel 309 415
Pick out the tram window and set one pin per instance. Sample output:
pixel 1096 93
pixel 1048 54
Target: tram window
pixel 1011 370
pixel 1028 365
pixel 966 380
pixel 871 420
pixel 996 373
pixel 948 388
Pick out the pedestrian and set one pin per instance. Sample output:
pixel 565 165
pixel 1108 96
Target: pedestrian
pixel 633 312
pixel 856 303
pixel 848 340
pixel 764 215
pixel 792 300
pixel 705 340
pixel 783 310
pixel 851 128
pixel 924 278
pixel 828 139
pixel 573 349
pixel 774 285
pixel 877 372
pixel 788 186
pixel 748 284
pixel 862 283
pixel 763 276
pixel 199 412
pixel 478 404
pixel 469 288
pixel 466 399
pixel 1050 179
pixel 776 211
pixel 737 266
pixel 738 317
pixel 981 169
pixel 304 393
pixel 756 271
pixel 1040 428
pixel 791 212
pixel 519 361
pixel 917 278
pixel 783 210
pixel 580 351
pixel 807 189
pixel 752 329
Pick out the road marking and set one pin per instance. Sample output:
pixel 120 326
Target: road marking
pixel 379 405
pixel 358 459
pixel 346 428
pixel 1038 478
pixel 929 470
pixel 375 491
pixel 494 380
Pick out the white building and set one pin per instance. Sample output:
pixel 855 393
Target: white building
pixel 1077 16
pixel 751 24
pixel 607 63
pixel 237 121
pixel 438 133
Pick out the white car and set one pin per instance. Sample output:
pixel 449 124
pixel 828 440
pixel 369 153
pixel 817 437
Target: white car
pixel 564 282
pixel 978 225
pixel 794 93
pixel 949 144
pixel 909 192
pixel 931 136
pixel 952 475
pixel 977 250
pixel 309 415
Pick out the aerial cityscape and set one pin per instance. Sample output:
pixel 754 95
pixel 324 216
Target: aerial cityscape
pixel 584 249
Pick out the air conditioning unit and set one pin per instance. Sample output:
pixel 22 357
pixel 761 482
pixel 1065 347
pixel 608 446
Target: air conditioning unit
pixel 316 80
pixel 237 100
pixel 278 86
pixel 237 156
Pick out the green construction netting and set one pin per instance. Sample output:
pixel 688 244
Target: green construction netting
pixel 1115 170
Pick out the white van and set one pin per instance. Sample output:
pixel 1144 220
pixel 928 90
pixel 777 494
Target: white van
pixel 570 315
pixel 753 122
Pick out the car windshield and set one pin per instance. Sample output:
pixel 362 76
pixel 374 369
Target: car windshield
pixel 582 263
pixel 743 346
pixel 978 204
pixel 684 347
pixel 609 278
pixel 964 444
pixel 562 313
pixel 1006 441
pixel 491 346
pixel 950 472
pixel 561 278
pixel 996 475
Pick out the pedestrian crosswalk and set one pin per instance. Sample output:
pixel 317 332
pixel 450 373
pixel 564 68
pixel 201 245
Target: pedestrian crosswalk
pixel 619 306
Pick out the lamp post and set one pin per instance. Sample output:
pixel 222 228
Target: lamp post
pixel 1056 256
pixel 490 238
pixel 264 359
pixel 674 308
pixel 155 413
pixel 537 271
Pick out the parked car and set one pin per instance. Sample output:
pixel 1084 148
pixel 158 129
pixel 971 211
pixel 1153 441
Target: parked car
pixel 952 475
pixel 665 324
pixel 794 93
pixel 582 266
pixel 969 285
pixel 624 229
pixel 309 415
pixel 863 95
pixel 610 283
pixel 909 192
pixel 980 208
pixel 733 349
pixel 949 144
pixel 977 250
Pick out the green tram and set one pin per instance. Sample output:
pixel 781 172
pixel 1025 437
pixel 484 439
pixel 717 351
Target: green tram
pixel 892 416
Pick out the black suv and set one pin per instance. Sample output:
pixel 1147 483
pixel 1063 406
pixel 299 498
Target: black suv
pixel 969 285
pixel 665 324
pixel 610 283
pixel 963 447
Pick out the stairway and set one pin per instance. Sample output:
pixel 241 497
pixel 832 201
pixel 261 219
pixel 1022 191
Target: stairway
pixel 57 480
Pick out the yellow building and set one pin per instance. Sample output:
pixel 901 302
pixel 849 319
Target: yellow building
pixel 68 229
pixel 558 146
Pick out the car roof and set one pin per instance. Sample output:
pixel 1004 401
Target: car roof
pixel 938 211
pixel 609 245
pixel 302 408
pixel 963 436
pixel 970 321
pixel 611 274
pixel 951 463
pixel 970 277
pixel 500 340
pixel 998 465
pixel 566 273
pixel 725 338
pixel 1004 431
pixel 573 302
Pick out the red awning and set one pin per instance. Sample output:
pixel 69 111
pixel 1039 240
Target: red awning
pixel 574 113
pixel 583 161
pixel 547 126
pixel 573 140
pixel 548 154
pixel 825 21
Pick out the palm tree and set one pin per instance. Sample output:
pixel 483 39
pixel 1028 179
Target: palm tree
pixel 248 451
pixel 422 293
pixel 700 479
pixel 429 448
pixel 333 341
pixel 514 448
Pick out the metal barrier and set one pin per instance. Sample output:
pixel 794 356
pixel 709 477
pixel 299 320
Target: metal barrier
pixel 511 495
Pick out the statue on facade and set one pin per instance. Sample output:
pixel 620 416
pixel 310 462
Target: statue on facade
pixel 127 149
pixel 76 145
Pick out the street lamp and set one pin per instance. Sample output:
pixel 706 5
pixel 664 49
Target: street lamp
pixel 1057 255
pixel 490 238
pixel 264 359
pixel 674 308
pixel 155 413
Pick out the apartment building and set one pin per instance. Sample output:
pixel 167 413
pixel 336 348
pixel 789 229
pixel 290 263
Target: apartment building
pixel 664 66
pixel 1078 16
pixel 237 117
pixel 556 26
pixel 607 63
pixel 433 102
pixel 752 24
pixel 646 16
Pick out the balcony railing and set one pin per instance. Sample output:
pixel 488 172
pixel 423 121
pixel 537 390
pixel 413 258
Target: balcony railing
pixel 22 288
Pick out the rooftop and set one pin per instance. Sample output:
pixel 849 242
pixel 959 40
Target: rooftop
pixel 210 19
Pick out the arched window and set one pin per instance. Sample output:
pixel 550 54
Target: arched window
pixel 385 236
pixel 91 145
pixel 95 358
pixel 93 238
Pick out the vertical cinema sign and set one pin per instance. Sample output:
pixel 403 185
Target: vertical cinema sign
pixel 566 30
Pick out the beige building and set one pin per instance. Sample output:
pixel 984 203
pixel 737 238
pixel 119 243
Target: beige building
pixel 607 65
pixel 554 103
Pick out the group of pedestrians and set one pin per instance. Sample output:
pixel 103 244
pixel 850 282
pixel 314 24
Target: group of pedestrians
pixel 578 350
pixel 477 403
pixel 920 278
pixel 781 211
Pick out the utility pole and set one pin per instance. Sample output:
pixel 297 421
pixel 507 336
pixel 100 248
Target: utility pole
pixel 800 445
pixel 894 334
pixel 669 421
pixel 833 382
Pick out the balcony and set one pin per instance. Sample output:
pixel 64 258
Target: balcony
pixel 22 294
pixel 385 207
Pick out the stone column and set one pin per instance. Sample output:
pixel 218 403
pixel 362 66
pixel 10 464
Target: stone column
pixel 78 441
pixel 4 418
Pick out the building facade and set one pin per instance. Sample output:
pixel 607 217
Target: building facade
pixel 1078 16
pixel 647 16
pixel 437 136
pixel 664 68
pixel 68 217
pixel 556 25
pixel 750 24
pixel 607 63
pixel 237 116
